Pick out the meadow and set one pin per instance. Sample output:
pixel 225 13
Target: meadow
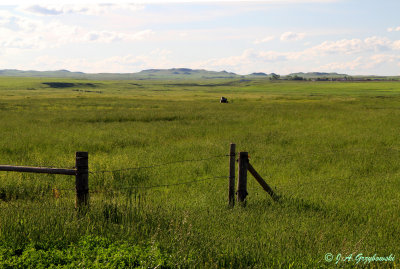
pixel 331 150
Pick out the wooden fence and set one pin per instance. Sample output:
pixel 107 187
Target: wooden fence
pixel 81 173
pixel 243 166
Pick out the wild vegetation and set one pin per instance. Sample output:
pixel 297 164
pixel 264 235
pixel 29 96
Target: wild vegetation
pixel 331 150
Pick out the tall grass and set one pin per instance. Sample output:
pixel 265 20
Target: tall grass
pixel 331 150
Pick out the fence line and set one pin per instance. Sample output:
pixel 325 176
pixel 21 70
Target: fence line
pixel 161 185
pixel 117 190
pixel 277 156
pixel 81 172
pixel 38 207
pixel 157 165
pixel 146 187
pixel 57 189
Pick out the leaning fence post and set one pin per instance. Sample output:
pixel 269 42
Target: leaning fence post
pixel 232 154
pixel 261 181
pixel 242 177
pixel 82 180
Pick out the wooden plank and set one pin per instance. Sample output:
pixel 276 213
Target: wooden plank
pixel 43 170
pixel 242 177
pixel 263 184
pixel 232 154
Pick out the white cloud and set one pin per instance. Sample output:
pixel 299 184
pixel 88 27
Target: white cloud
pixel 383 58
pixel 142 35
pixel 378 43
pixel 115 64
pixel 21 43
pixel 25 33
pixel 290 36
pixel 338 66
pixel 247 57
pixel 41 10
pixel 175 1
pixel 396 45
pixel 249 61
pixel 270 56
pixel 362 63
pixel 108 37
pixel 394 29
pixel 352 46
pixel 89 9
pixel 161 52
pixel 264 40
pixel 17 23
pixel 252 59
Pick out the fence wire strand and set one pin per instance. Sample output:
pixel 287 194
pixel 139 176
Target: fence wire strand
pixel 271 157
pixel 156 165
pixel 159 186
pixel 275 156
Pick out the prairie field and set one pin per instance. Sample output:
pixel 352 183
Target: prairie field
pixel 330 150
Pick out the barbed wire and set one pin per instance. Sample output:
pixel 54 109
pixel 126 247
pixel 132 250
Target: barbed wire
pixel 157 165
pixel 9 205
pixel 41 207
pixel 195 181
pixel 273 156
pixel 143 187
pixel 117 190
pixel 159 186
pixel 320 154
pixel 63 189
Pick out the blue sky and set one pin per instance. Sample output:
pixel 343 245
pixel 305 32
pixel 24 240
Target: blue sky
pixel 353 37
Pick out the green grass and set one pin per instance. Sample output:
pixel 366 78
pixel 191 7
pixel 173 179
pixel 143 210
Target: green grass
pixel 331 150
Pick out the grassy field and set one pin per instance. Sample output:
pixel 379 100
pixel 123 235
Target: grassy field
pixel 331 150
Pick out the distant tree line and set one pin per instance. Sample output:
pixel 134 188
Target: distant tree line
pixel 296 77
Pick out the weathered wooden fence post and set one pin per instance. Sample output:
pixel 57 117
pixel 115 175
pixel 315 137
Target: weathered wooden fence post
pixel 82 180
pixel 232 155
pixel 242 177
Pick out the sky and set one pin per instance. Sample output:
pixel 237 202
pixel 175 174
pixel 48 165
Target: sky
pixel 354 37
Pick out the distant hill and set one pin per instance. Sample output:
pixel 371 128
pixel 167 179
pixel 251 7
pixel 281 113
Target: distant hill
pixel 318 75
pixel 32 73
pixel 184 73
pixel 181 73
pixel 258 74
pixel 173 73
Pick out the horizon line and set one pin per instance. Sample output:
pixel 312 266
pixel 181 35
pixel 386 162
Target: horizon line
pixel 207 70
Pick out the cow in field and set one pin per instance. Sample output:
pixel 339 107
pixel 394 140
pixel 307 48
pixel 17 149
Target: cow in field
pixel 223 100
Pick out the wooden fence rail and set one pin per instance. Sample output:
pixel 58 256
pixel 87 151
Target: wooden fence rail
pixel 81 173
pixel 43 170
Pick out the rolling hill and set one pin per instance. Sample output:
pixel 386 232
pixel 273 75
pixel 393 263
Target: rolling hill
pixel 173 73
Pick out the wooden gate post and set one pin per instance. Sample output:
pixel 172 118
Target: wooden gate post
pixel 82 180
pixel 232 155
pixel 242 177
